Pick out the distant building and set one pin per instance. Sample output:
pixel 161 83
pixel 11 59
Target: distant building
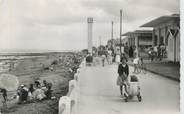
pixel 139 38
pixel 130 38
pixel 166 31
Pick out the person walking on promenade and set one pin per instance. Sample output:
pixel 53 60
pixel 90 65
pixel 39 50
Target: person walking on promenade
pixel 122 80
pixel 159 53
pixel 109 57
pixel 123 56
pixel 155 50
pixel 103 60
pixel 131 51
pixel 142 66
pixel 136 63
pixel 151 54
pixel 118 58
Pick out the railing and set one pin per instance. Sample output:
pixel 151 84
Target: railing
pixel 68 104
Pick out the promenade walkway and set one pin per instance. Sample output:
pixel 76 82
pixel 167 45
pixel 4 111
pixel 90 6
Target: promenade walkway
pixel 99 93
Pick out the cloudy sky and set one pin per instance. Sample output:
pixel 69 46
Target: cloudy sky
pixel 62 24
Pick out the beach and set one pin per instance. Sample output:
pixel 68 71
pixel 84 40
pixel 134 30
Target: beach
pixel 52 67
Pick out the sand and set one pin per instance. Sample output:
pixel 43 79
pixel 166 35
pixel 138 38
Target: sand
pixel 30 69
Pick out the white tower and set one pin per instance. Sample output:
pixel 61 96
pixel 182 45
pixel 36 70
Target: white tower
pixel 90 31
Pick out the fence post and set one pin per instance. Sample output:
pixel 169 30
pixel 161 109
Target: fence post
pixel 73 95
pixel 76 77
pixel 78 70
pixel 68 104
pixel 64 105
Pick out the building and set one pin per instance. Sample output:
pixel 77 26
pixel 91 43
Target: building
pixel 130 38
pixel 139 38
pixel 166 31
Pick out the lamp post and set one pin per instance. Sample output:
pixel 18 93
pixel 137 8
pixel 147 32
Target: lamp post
pixel 112 30
pixel 112 43
pixel 120 29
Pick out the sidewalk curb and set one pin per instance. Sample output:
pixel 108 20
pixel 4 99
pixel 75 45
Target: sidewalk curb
pixel 172 78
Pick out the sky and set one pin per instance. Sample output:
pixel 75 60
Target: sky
pixel 57 25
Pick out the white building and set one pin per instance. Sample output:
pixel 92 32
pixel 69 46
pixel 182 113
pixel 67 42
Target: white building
pixel 166 31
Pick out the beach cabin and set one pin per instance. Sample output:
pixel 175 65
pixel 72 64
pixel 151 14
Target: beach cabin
pixel 139 38
pixel 166 31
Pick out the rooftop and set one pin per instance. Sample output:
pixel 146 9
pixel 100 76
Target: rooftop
pixel 162 19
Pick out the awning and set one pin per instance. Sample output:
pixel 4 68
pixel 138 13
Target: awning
pixel 141 32
pixel 162 19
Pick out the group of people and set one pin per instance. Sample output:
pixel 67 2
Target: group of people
pixel 157 52
pixel 36 91
pixel 107 57
pixel 139 65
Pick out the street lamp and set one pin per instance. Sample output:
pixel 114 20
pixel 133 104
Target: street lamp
pixel 120 29
pixel 112 30
pixel 112 47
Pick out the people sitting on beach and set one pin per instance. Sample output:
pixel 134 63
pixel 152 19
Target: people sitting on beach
pixel 4 95
pixel 31 88
pixel 43 92
pixel 37 84
pixel 47 89
pixel 39 94
pixel 22 94
pixel 34 92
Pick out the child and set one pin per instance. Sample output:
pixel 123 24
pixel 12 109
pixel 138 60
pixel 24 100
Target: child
pixel 142 66
pixel 136 62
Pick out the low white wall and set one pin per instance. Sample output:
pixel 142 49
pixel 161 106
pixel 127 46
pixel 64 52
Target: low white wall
pixel 68 104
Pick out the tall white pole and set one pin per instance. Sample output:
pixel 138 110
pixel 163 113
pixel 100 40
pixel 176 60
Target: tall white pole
pixel 112 30
pixel 90 33
pixel 120 29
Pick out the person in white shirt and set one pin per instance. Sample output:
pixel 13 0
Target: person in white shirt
pixel 136 63
pixel 109 57
pixel 122 49
pixel 117 57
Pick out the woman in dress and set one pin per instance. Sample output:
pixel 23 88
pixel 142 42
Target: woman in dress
pixel 118 58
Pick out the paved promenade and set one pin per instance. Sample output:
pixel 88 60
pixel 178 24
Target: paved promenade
pixel 99 93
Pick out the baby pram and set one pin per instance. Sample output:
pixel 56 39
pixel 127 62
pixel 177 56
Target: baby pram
pixel 133 88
